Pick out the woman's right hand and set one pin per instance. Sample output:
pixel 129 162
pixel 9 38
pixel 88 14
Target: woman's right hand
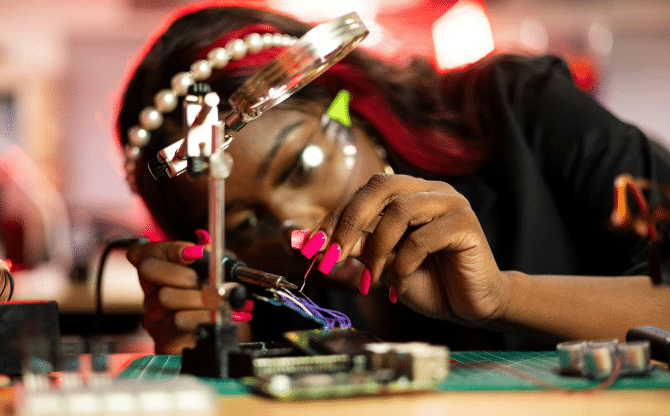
pixel 173 306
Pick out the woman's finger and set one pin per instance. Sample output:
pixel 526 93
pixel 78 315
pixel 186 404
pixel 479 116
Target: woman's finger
pixel 174 299
pixel 170 251
pixel 167 273
pixel 457 234
pixel 402 215
pixel 345 224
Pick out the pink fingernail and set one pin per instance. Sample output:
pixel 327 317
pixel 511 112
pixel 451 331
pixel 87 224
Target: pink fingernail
pixel 192 253
pixel 203 237
pixel 366 279
pixel 241 316
pixel 329 258
pixel 314 244
pixel 248 306
pixel 393 294
pixel 298 238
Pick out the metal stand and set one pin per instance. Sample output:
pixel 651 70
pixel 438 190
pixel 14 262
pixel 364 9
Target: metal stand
pixel 204 144
pixel 202 150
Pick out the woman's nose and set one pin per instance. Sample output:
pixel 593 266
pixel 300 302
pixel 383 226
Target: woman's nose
pixel 298 216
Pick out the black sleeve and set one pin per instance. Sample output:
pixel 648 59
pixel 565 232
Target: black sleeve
pixel 580 148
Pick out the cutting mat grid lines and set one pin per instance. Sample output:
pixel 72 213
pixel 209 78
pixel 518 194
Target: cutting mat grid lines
pixel 470 371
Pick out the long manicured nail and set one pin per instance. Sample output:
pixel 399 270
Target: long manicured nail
pixel 329 258
pixel 203 237
pixel 393 294
pixel 298 238
pixel 241 316
pixel 313 245
pixel 366 279
pixel 192 253
pixel 248 306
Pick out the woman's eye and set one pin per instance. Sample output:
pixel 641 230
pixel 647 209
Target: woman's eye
pixel 247 223
pixel 296 174
pixel 300 172
pixel 300 175
pixel 241 231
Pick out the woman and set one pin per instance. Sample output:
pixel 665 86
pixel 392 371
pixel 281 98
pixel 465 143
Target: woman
pixel 497 212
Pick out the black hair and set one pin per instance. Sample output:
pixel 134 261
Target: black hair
pixel 415 90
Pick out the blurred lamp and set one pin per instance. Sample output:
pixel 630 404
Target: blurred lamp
pixel 462 35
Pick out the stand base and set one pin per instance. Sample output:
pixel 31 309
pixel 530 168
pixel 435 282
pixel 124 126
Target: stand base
pixel 209 358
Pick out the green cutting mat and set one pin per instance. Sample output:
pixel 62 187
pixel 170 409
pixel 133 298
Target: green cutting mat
pixel 480 370
pixel 512 370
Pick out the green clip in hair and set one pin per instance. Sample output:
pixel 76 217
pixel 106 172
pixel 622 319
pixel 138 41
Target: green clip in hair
pixel 339 108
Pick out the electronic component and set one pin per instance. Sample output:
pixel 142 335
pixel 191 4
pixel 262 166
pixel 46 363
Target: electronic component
pixel 28 329
pixel 343 342
pixel 266 359
pixel 420 363
pixel 323 385
pixel 334 341
pixel 72 349
pixel 180 395
pixel 603 358
pixel 383 368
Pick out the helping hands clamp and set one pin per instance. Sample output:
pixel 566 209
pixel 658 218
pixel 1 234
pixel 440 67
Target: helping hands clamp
pixel 203 150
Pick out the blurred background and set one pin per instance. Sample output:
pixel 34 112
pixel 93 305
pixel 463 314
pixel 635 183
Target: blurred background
pixel 62 188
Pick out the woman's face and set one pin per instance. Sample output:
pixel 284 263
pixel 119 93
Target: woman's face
pixel 289 169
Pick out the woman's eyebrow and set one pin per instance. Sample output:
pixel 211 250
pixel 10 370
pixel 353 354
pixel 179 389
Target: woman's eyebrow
pixel 278 142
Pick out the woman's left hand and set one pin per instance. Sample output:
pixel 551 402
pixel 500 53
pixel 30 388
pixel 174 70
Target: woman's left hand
pixel 427 244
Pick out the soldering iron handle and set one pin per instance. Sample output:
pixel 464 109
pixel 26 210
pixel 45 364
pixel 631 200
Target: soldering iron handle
pixel 230 263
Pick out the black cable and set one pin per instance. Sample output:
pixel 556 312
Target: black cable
pixel 4 285
pixel 7 277
pixel 122 243
pixel 11 285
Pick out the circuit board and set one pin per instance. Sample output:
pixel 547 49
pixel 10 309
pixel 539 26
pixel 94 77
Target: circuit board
pixel 470 371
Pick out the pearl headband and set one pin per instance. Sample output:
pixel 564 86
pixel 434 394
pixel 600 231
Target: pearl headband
pixel 166 100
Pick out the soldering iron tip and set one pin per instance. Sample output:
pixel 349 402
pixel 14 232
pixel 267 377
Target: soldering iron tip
pixel 285 283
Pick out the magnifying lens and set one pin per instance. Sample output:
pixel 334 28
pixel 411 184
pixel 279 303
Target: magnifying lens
pixel 295 67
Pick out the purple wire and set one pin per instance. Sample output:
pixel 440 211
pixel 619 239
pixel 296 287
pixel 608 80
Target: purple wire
pixel 327 317
pixel 337 317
